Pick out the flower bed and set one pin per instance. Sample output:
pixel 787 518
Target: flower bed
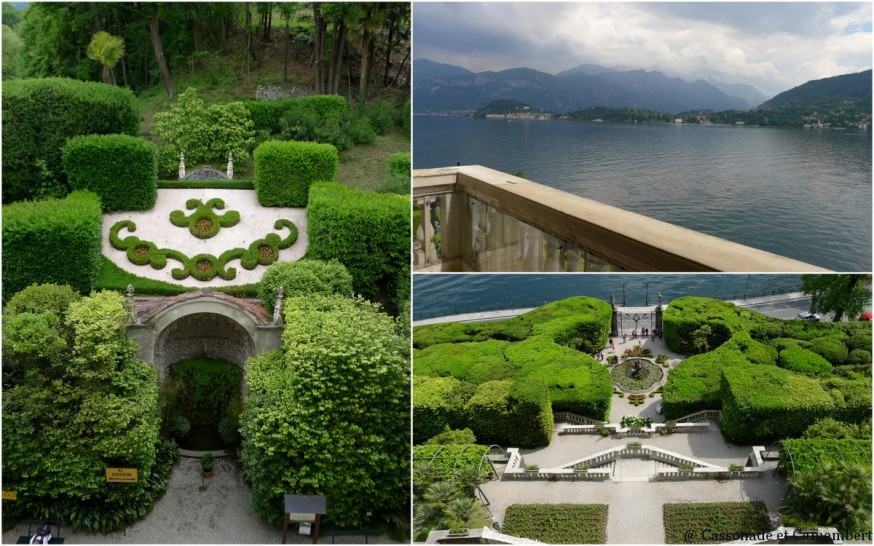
pixel 716 522
pixel 650 375
pixel 558 523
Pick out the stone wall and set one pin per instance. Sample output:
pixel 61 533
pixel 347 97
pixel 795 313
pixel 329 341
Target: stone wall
pixel 203 335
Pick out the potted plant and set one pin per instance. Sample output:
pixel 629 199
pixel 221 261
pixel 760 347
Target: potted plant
pixel 532 468
pixel 206 463
pixel 581 468
pixel 736 468
pixel 686 467
pixel 633 445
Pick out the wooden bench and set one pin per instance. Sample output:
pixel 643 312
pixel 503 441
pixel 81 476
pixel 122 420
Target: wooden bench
pixel 33 524
pixel 333 533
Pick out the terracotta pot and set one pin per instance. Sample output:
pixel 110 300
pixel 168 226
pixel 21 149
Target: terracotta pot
pixel 208 473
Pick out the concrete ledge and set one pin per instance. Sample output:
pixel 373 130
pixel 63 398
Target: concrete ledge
pixel 627 239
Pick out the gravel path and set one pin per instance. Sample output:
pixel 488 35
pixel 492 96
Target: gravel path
pixel 188 515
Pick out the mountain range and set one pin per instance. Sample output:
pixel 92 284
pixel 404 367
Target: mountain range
pixel 849 89
pixel 442 87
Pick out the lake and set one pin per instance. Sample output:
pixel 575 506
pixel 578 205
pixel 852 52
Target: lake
pixel 441 294
pixel 801 193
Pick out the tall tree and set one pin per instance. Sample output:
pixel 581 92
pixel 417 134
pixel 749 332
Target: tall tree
pixel 107 50
pixel 319 35
pixel 839 294
pixel 286 11
pixel 159 52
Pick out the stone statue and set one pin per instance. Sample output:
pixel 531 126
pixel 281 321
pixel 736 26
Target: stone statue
pixel 230 173
pixel 612 300
pixel 130 305
pixel 277 309
pixel 636 369
pixel 181 165
pixel 660 299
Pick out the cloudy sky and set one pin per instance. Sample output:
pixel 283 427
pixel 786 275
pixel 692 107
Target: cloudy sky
pixel 772 46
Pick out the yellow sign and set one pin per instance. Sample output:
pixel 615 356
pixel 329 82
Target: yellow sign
pixel 10 495
pixel 121 475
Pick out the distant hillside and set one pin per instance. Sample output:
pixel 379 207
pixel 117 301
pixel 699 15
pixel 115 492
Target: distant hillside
pixel 426 69
pixel 753 96
pixel 590 69
pixel 851 89
pixel 505 107
pixel 575 90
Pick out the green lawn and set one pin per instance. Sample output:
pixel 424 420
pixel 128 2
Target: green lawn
pixel 558 523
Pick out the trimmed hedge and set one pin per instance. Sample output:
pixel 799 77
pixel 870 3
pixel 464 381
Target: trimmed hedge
pixel 369 233
pixel 438 403
pixel 39 116
pixel 695 383
pixel 761 404
pixel 475 362
pixel 576 381
pixel 52 241
pixel 121 169
pixel 399 164
pixel 304 277
pixel 832 349
pixel 685 315
pixel 852 398
pixel 799 359
pixel 511 413
pixel 284 171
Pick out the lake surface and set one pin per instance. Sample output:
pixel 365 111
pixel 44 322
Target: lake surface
pixel 441 294
pixel 801 193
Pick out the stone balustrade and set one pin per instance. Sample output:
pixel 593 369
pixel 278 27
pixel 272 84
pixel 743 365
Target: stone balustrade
pixel 473 218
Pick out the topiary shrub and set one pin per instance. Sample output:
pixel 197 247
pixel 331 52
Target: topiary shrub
pixel 687 314
pixel 475 362
pixel 38 118
pixel 304 277
pixel 52 241
pixel 369 233
pixel 284 171
pixel 831 349
pixel 803 361
pixel 453 437
pixel 859 357
pixel 121 169
pixel 511 413
pixel 397 177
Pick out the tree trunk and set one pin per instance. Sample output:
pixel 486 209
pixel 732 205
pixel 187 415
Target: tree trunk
pixel 197 32
pixel 159 56
pixel 400 68
pixel 366 63
pixel 389 46
pixel 285 54
pixel 340 31
pixel 319 47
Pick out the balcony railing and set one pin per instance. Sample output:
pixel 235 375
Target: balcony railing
pixel 474 218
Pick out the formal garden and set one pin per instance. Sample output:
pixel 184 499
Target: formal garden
pixel 582 402
pixel 296 206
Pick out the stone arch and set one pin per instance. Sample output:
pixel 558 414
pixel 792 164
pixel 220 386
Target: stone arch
pixel 202 324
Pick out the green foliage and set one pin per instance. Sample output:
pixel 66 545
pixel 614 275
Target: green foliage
pixel 203 133
pixel 38 118
pixel 82 408
pixel 839 294
pixel 803 361
pixel 833 495
pixel 121 169
pixel 368 233
pixel 558 523
pixel 211 184
pixel 319 118
pixel 813 454
pixel 408 120
pixel 332 403
pixel 475 362
pixel 397 178
pixel 11 49
pixel 714 522
pixel 829 428
pixel 209 386
pixel 761 404
pixel 859 357
pixel 511 413
pixel 304 277
pixel 178 426
pixel 439 404
pixel 449 436
pixel 39 298
pixel 284 171
pixel 832 349
pixel 52 241
pixel 852 397
pixel 687 314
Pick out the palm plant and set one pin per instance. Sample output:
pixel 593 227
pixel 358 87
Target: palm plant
pixel 465 514
pixel 107 50
pixel 833 496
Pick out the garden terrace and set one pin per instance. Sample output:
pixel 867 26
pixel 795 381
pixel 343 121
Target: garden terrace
pixel 472 218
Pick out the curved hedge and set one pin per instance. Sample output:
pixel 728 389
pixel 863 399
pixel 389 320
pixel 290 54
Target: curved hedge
pixel 475 362
pixel 39 116
pixel 809 455
pixel 121 169
pixel 52 241
pixel 284 171
pixel 832 349
pixel 685 315
pixel 369 233
pixel 511 413
pixel 304 277
pixel 799 359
